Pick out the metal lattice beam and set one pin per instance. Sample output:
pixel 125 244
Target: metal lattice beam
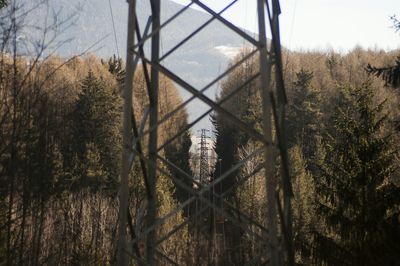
pixel 214 206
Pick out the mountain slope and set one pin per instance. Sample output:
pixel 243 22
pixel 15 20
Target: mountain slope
pixel 199 60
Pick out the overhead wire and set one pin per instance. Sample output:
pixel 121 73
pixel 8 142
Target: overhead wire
pixel 292 24
pixel 290 37
pixel 113 24
pixel 245 20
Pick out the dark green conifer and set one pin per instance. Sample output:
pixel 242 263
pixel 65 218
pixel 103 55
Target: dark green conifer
pixel 116 67
pixel 96 120
pixel 356 196
pixel 303 118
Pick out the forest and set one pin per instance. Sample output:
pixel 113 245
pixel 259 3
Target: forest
pixel 61 144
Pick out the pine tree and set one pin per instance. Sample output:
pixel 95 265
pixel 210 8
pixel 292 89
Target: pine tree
pixel 357 199
pixel 304 116
pixel 390 74
pixel 96 120
pixel 94 170
pixel 116 67
pixel 178 154
pixel 245 105
pixel 302 205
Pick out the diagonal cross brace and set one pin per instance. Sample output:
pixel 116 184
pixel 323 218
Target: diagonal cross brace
pixel 243 126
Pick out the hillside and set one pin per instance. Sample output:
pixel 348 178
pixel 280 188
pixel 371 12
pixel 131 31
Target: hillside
pixel 206 55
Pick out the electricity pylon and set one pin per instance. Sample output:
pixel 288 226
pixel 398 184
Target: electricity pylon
pixel 204 169
pixel 278 242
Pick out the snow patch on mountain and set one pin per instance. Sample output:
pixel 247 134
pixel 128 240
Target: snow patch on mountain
pixel 228 51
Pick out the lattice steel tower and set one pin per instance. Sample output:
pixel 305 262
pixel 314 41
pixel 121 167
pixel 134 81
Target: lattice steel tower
pixel 204 169
pixel 141 140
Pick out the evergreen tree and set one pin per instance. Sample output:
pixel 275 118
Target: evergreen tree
pixel 94 171
pixel 96 121
pixel 230 146
pixel 225 148
pixel 357 201
pixel 390 74
pixel 304 116
pixel 116 67
pixel 302 205
pixel 245 105
pixel 178 154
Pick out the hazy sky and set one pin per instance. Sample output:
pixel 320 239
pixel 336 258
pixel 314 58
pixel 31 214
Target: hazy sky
pixel 321 24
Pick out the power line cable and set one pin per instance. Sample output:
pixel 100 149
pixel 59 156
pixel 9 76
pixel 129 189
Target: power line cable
pixel 290 36
pixel 113 24
pixel 292 24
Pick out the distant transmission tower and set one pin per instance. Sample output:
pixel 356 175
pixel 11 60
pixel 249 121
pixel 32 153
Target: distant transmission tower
pixel 273 236
pixel 204 173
